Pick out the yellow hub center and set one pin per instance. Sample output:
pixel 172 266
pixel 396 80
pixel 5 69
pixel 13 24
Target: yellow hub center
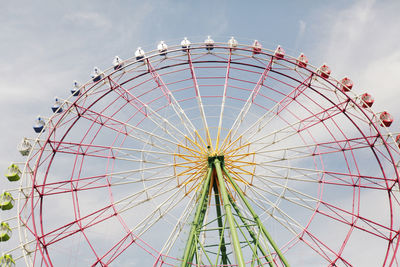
pixel 191 161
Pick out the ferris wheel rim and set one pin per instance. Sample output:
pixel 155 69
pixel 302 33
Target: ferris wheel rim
pixel 202 46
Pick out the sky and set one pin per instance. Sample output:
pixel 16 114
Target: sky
pixel 45 45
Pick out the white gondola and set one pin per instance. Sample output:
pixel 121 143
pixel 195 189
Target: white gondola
pixel 75 91
pixel 39 125
pixel 209 43
pixel 24 147
pixel 97 75
pixel 117 63
pixel 139 54
pixel 56 108
pixel 162 48
pixel 185 43
pixel 232 43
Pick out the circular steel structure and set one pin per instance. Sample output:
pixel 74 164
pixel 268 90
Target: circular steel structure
pixel 211 154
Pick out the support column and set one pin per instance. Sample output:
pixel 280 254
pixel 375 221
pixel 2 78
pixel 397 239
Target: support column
pixel 197 221
pixel 252 234
pixel 220 224
pixel 256 218
pixel 228 210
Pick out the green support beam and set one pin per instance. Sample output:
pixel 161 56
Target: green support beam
pixel 252 234
pixel 227 206
pixel 220 224
pixel 216 179
pixel 190 248
pixel 256 218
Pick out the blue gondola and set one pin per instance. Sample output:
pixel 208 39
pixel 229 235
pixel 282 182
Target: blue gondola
pixel 117 63
pixel 185 43
pixel 209 43
pixel 75 91
pixel 56 108
pixel 39 125
pixel 162 48
pixel 139 54
pixel 97 75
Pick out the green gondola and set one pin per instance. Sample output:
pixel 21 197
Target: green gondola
pixel 7 260
pixel 13 173
pixel 5 232
pixel 6 201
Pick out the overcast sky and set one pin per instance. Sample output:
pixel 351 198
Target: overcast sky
pixel 45 45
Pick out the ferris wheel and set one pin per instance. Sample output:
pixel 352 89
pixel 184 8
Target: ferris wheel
pixel 206 154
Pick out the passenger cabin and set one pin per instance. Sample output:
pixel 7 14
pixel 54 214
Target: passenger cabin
pixel 117 63
pixel 56 108
pixel 5 232
pixel 386 119
pixel 39 125
pixel 162 48
pixel 256 47
pixel 7 260
pixel 75 91
pixel 346 84
pixel 279 52
pixel 367 100
pixel 185 43
pixel 232 43
pixel 6 201
pixel 209 43
pixel 97 75
pixel 139 53
pixel 13 173
pixel 398 140
pixel 302 61
pixel 24 147
pixel 324 71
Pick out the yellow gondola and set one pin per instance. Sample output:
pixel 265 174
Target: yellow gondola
pixel 5 232
pixel 6 201
pixel 13 173
pixel 7 260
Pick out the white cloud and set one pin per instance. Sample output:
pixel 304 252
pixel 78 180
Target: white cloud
pixel 89 18
pixel 361 42
pixel 302 27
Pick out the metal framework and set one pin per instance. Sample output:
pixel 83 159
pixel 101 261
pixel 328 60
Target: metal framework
pixel 208 155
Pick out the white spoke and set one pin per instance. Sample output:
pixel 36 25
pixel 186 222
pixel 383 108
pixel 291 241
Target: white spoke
pixel 199 101
pixel 221 115
pixel 141 135
pixel 179 111
pixel 179 226
pixel 250 100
